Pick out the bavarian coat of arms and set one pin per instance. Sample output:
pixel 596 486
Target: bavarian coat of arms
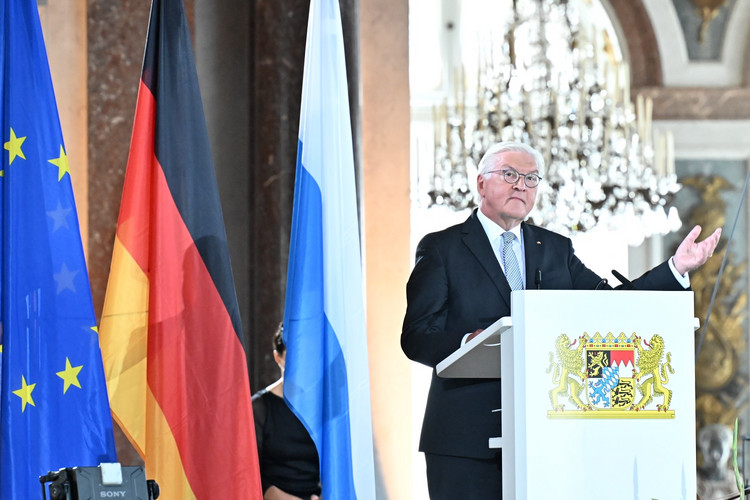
pixel 610 377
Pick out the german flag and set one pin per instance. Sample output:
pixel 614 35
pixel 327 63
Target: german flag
pixel 170 330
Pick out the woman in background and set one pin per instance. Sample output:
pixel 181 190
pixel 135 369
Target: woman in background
pixel 289 467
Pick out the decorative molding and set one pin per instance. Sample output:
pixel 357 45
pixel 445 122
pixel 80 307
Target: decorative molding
pixel 663 60
pixel 645 62
pixel 698 103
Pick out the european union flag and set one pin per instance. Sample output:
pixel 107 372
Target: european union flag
pixel 53 403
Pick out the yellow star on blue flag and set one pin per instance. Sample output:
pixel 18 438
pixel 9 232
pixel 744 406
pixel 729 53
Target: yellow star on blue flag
pixel 70 375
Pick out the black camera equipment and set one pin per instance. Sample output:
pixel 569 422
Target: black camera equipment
pixel 108 480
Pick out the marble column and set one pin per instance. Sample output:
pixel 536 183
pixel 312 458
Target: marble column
pixel 116 39
pixel 277 48
pixel 385 159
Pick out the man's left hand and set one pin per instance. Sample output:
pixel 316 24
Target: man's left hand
pixel 691 255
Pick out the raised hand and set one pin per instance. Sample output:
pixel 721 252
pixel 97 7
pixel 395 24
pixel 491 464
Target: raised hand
pixel 691 255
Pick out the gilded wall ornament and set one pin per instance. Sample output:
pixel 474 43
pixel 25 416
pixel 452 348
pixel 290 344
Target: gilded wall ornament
pixel 719 383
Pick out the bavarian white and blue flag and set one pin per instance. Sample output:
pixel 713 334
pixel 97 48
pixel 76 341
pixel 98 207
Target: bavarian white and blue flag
pixel 326 382
pixel 54 410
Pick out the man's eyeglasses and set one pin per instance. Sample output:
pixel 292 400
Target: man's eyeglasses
pixel 511 176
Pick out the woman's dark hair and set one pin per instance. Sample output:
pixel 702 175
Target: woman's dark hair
pixel 278 341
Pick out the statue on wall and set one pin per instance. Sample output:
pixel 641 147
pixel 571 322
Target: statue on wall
pixel 715 476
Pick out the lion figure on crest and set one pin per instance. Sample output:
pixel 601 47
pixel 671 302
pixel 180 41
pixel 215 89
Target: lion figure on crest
pixel 650 365
pixel 569 367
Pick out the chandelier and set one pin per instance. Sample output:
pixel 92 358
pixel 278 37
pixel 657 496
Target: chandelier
pixel 553 80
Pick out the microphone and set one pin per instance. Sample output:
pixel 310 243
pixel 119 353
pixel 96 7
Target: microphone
pixel 601 283
pixel 538 279
pixel 626 282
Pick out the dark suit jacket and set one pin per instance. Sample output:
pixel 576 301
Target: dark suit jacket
pixel 457 286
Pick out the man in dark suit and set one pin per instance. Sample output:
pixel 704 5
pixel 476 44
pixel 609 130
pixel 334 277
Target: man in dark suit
pixel 461 283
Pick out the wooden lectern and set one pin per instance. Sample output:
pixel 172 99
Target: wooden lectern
pixel 598 393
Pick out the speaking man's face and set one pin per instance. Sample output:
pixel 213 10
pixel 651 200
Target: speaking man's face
pixel 504 203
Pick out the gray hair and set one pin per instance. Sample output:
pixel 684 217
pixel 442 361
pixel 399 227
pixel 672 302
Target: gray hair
pixel 503 147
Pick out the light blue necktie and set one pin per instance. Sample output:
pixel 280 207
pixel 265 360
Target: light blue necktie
pixel 512 271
